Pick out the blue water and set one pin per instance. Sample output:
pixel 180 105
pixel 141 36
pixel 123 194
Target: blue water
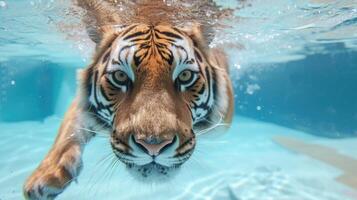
pixel 294 71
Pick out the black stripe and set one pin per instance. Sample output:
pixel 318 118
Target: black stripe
pixel 209 84
pixel 121 50
pixel 178 30
pixel 136 34
pixel 198 55
pixel 184 144
pixel 105 58
pixel 139 59
pixel 169 34
pixel 103 93
pixel 215 85
pixel 170 58
pixel 170 40
pixel 202 90
pixel 99 106
pixel 88 81
pixel 128 30
pixel 204 105
pixel 183 49
pixel 97 117
pixel 141 39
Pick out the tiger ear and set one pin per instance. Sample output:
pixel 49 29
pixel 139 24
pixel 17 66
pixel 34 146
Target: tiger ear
pixel 99 17
pixel 97 35
pixel 200 34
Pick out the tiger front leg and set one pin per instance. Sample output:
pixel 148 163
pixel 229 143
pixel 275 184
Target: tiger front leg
pixel 63 163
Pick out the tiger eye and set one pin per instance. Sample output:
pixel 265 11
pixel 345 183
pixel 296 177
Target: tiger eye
pixel 185 76
pixel 121 76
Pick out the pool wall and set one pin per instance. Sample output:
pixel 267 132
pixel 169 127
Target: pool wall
pixel 33 89
pixel 316 94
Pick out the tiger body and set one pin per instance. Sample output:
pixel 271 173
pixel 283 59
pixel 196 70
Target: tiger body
pixel 150 88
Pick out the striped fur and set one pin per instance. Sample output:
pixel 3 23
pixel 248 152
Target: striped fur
pixel 134 46
pixel 147 82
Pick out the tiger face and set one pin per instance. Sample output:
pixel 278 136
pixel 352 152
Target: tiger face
pixel 153 88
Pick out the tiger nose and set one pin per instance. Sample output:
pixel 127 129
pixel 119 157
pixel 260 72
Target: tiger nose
pixel 154 146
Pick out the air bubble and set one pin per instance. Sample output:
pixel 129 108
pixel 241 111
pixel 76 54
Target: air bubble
pixel 252 88
pixel 237 66
pixel 3 4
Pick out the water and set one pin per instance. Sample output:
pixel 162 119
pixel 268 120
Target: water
pixel 293 66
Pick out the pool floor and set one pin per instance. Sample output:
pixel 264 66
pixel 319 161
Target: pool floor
pixel 245 163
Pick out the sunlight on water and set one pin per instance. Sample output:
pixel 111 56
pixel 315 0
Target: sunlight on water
pixel 260 32
pixel 291 30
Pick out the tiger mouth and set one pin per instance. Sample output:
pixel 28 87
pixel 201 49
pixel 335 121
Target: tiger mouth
pixel 152 169
pixel 144 165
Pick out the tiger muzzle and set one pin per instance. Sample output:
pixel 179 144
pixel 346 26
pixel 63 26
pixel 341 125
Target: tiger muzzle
pixel 154 132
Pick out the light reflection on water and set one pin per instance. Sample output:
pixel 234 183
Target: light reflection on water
pixel 261 32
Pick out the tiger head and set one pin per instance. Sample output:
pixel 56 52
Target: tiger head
pixel 154 87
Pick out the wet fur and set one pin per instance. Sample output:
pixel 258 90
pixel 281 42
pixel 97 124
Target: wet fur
pixel 63 163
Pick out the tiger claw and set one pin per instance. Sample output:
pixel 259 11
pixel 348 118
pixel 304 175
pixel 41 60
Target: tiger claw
pixel 51 179
pixel 44 187
pixel 41 192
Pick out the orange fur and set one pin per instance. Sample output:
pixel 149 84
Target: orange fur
pixel 153 104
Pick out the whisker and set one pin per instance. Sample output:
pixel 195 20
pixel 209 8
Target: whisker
pixel 109 173
pixel 96 168
pixel 99 134
pixel 209 129
pixel 215 124
pixel 104 159
pixel 85 130
pixel 104 176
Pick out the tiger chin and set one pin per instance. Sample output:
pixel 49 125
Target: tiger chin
pixel 150 88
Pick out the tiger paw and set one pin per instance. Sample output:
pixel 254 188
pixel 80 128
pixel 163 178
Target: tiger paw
pixel 47 182
pixel 54 174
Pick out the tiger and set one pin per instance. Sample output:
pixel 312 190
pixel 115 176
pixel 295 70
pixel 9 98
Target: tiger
pixel 150 88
